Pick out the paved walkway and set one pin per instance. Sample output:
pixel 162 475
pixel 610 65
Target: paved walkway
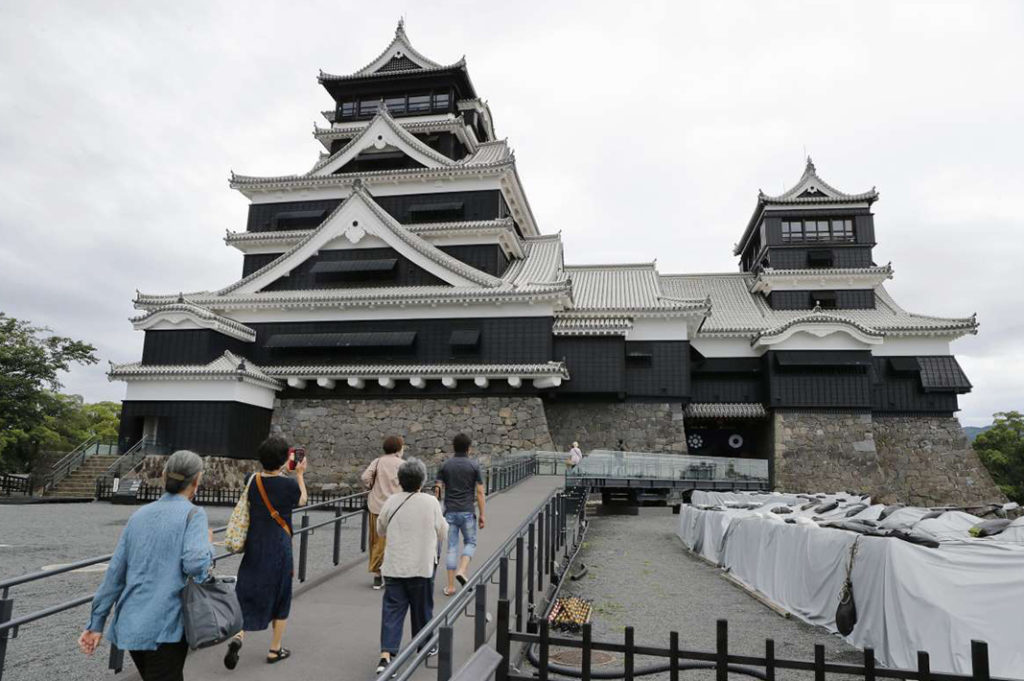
pixel 334 628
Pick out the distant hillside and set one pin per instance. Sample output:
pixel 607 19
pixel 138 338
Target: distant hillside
pixel 973 431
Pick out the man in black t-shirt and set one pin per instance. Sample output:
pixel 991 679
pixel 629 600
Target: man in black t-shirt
pixel 460 479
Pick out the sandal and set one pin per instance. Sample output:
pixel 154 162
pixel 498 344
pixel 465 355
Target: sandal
pixel 281 653
pixel 448 592
pixel 461 578
pixel 231 658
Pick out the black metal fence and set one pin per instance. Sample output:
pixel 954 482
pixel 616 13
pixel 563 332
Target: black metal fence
pixel 677 660
pixel 537 554
pixel 498 478
pixel 15 484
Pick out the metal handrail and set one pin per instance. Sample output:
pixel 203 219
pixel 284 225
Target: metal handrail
pixel 135 455
pixel 68 463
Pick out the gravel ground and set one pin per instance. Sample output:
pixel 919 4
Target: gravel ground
pixel 640 575
pixel 37 535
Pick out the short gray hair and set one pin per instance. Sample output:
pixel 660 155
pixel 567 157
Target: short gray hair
pixel 181 469
pixel 411 475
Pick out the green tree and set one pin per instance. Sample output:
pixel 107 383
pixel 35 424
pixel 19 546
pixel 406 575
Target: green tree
pixel 30 407
pixel 1001 449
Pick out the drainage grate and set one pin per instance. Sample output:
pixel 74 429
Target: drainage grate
pixel 574 657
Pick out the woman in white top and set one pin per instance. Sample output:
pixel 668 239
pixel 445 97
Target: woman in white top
pixel 413 524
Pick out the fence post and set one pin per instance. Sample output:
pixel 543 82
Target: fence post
pixel 337 534
pixel 819 662
pixel 444 653
pixel 303 547
pixel 519 583
pixel 531 550
pixel 541 545
pixel 503 643
pixel 116 660
pixel 979 661
pixel 673 648
pixel 588 651
pixel 362 531
pixel 480 616
pixel 6 610
pixel 924 667
pixel 722 659
pixel 869 664
pixel 503 578
pixel 769 660
pixel 628 658
pixel 542 668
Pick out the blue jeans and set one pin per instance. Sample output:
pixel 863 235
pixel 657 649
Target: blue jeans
pixel 402 594
pixel 464 522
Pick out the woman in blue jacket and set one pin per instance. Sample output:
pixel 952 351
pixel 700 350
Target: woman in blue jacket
pixel 163 544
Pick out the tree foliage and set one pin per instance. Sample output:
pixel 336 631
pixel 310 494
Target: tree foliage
pixel 1001 449
pixel 33 415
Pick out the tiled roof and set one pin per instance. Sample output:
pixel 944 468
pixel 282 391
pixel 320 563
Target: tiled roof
pixel 542 264
pixel 710 410
pixel 399 50
pixel 423 370
pixel 943 373
pixel 228 366
pixel 419 124
pixel 218 322
pixel 624 287
pixel 293 236
pixel 737 312
pixel 592 325
pixel 489 153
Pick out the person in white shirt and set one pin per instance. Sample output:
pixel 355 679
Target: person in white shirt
pixel 413 524
pixel 575 456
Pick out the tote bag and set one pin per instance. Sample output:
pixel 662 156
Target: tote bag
pixel 238 524
pixel 210 610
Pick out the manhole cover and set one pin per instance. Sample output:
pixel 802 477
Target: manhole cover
pixel 574 657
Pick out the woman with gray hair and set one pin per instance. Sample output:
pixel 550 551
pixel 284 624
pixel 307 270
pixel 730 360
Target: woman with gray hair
pixel 413 524
pixel 162 545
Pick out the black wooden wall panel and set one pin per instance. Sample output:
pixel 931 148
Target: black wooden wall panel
pixel 796 257
pixel 406 273
pixel 665 374
pixel 477 205
pixel 230 429
pixel 725 388
pixel 484 257
pixel 858 299
pixel 596 365
pixel 818 386
pixel 503 340
pixel 188 346
pixel 901 392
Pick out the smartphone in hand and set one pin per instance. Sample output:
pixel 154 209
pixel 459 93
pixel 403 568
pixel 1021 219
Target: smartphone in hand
pixel 295 457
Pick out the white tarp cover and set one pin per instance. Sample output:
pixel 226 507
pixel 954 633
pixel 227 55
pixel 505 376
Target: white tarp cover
pixel 908 597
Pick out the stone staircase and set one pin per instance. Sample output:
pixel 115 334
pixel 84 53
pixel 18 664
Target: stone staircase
pixel 82 482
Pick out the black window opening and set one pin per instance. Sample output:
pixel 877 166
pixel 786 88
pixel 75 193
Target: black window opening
pixel 825 299
pixel 639 358
pixel 811 359
pixel 297 219
pixel 465 341
pixel 804 231
pixel 397 105
pixel 366 342
pixel 904 365
pixel 819 259
pixel 382 269
pixel 437 212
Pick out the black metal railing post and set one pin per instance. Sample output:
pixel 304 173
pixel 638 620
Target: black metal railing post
pixel 673 650
pixel 6 611
pixel 480 616
pixel 869 664
pixel 819 662
pixel 519 583
pixel 924 667
pixel 503 643
pixel 336 553
pixel 503 578
pixel 531 560
pixel 722 651
pixel 588 651
pixel 629 655
pixel 545 650
pixel 541 545
pixel 979 661
pixel 303 547
pixel 444 653
pixel 769 660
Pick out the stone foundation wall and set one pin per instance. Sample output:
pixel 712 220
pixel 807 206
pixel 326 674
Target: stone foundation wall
pixel 343 436
pixel 218 472
pixel 645 427
pixel 924 460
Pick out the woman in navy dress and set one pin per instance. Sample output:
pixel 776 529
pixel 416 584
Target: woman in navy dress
pixel 264 585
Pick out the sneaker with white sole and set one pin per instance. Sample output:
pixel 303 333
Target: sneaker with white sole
pixel 378 582
pixel 382 664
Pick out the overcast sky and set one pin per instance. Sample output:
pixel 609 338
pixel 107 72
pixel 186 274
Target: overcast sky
pixel 641 130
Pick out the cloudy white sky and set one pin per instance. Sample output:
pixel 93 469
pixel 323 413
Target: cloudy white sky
pixel 642 130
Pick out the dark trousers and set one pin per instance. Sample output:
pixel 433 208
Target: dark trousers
pixel 401 594
pixel 163 664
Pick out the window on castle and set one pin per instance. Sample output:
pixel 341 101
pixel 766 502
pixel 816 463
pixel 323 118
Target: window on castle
pixel 419 103
pixel 801 231
pixel 395 105
pixel 441 101
pixel 348 109
pixel 368 107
